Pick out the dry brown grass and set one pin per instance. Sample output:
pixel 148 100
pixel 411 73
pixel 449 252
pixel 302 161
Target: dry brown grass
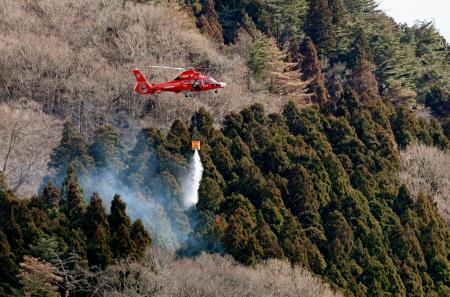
pixel 426 170
pixel 208 276
pixel 75 58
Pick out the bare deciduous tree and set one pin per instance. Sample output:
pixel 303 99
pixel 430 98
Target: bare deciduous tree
pixel 27 137
pixel 209 276
pixel 426 170
pixel 75 59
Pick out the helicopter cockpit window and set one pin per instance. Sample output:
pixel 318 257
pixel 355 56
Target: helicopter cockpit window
pixel 212 80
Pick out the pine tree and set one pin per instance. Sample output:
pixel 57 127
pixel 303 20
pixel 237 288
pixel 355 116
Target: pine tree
pixel 208 21
pixel 320 27
pixel 364 81
pixel 284 77
pixel 293 241
pixel 312 71
pixel 8 266
pixel 73 203
pixel 51 196
pixel 203 122
pixel 178 138
pixel 302 199
pixel 268 240
pixel 107 150
pixel 140 237
pixel 292 18
pixel 210 195
pixel 337 11
pixel 340 233
pixel 96 228
pixel 72 149
pixel 258 59
pixel 230 17
pixel 240 240
pixel 121 244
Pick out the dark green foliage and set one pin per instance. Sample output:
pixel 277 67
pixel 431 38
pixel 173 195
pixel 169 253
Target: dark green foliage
pixel 210 195
pixel 9 268
pixel 258 58
pixel 240 237
pixel 320 27
pixel 140 237
pixel 410 64
pixel 73 203
pixel 51 196
pixel 107 150
pixel 96 229
pixel 268 240
pixel 59 226
pixel 121 242
pixel 438 101
pixel 322 190
pixel 72 149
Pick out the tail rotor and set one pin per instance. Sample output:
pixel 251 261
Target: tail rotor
pixel 142 85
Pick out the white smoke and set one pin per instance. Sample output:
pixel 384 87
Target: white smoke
pixel 169 227
pixel 192 182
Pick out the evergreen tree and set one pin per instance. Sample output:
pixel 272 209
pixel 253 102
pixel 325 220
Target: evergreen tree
pixel 284 77
pixel 268 240
pixel 121 243
pixel 240 240
pixel 51 197
pixel 230 17
pixel 208 21
pixel 258 58
pixel 73 203
pixel 364 81
pixel 9 268
pixel 210 195
pixel 72 149
pixel 107 150
pixel 293 241
pixel 96 229
pixel 140 237
pixel 337 10
pixel 320 27
pixel 38 279
pixel 302 200
pixel 178 138
pixel 312 71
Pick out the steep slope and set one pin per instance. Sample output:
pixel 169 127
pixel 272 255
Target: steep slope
pixel 411 64
pixel 75 58
pixel 319 188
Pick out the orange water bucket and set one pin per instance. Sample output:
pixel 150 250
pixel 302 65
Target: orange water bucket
pixel 195 144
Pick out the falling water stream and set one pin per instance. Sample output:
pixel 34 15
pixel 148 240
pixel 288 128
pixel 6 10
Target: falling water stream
pixel 193 182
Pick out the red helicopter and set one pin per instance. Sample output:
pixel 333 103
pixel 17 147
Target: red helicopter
pixel 188 81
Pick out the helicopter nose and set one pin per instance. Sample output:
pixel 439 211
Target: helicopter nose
pixel 223 85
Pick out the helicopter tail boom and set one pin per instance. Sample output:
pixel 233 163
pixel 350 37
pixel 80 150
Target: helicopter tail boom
pixel 142 86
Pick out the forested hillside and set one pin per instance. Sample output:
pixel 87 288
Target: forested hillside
pixel 411 64
pixel 324 163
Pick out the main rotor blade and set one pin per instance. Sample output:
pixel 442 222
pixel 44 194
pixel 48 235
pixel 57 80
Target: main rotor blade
pixel 167 67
